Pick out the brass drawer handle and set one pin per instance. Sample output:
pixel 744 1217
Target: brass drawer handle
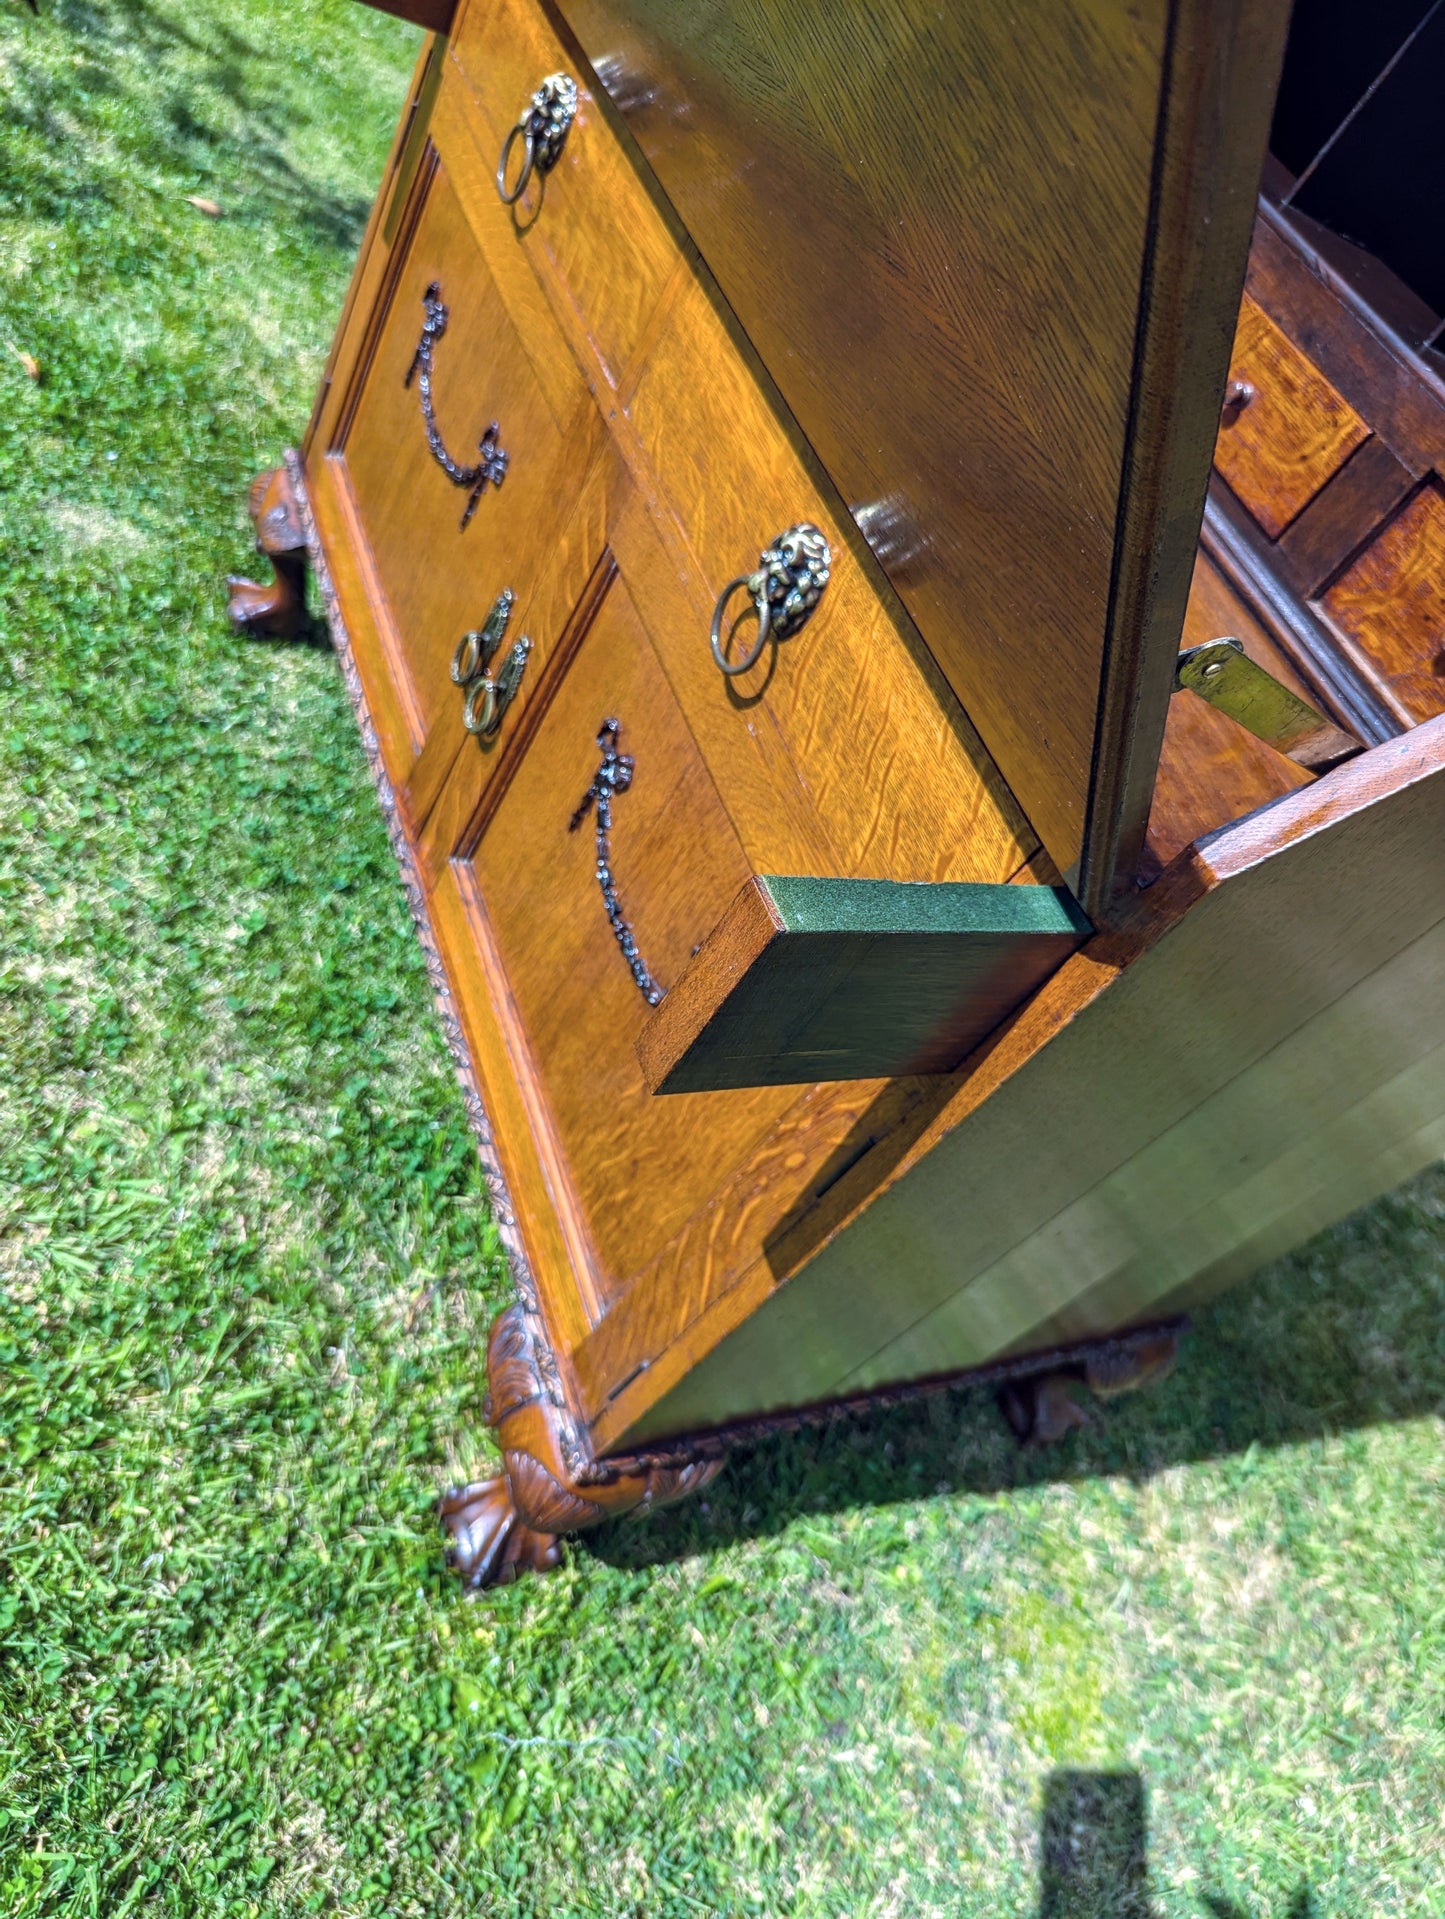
pixel 489 696
pixel 543 130
pixel 614 775
pixel 788 584
pixel 491 463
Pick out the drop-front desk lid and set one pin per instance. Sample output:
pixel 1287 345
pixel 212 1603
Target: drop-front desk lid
pixel 992 256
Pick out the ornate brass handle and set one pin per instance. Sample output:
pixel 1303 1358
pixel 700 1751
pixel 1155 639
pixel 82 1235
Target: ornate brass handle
pixel 492 461
pixel 488 696
pixel 543 131
pixel 788 584
pixel 613 776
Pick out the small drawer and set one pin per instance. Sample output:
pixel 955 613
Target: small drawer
pixel 438 538
pixel 1285 430
pixel 588 222
pixel 1390 603
pixel 544 952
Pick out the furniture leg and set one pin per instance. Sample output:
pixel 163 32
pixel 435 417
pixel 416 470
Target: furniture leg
pixel 511 1523
pixel 277 611
pixel 1043 1408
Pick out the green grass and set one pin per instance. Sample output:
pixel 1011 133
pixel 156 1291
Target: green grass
pixel 246 1266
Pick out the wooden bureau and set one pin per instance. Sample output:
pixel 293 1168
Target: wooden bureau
pixel 761 497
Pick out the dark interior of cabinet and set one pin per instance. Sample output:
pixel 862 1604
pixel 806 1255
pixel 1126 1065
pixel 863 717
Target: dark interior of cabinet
pixel 1356 143
pixel 1349 261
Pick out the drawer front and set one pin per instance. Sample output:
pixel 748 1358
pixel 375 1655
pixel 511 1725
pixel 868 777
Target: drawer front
pixel 1289 433
pixel 843 750
pixel 588 223
pixel 1391 603
pixel 545 948
pixel 439 542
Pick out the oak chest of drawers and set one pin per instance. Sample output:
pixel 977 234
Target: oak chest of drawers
pixel 759 493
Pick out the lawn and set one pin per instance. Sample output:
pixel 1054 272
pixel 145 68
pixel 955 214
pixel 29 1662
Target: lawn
pixel 246 1264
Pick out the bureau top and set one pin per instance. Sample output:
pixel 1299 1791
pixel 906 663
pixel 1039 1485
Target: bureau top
pixel 992 258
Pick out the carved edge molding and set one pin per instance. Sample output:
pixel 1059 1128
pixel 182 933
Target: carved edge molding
pixel 581 1464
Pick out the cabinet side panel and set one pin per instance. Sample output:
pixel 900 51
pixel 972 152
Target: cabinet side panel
pixel 1288 998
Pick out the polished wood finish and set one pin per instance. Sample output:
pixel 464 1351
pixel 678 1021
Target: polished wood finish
pixel 618 1188
pixel 589 225
pixel 1004 341
pixel 403 502
pixel 1250 564
pixel 932 233
pixel 843 752
pixel 277 611
pixel 1366 537
pixel 509 1524
pixel 1291 434
pixel 824 979
pixel 1213 109
pixel 1211 770
pixel 1391 601
pixel 1362 494
pixel 637 1168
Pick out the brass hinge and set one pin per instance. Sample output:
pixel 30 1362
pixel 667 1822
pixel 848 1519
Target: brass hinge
pixel 1222 672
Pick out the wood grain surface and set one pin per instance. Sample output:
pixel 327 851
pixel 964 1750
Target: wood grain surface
pixel 638 1167
pixel 849 718
pixel 1012 392
pixel 1328 533
pixel 1391 602
pixel 590 217
pixel 367 274
pixel 1212 770
pixel 1295 432
pixel 435 577
pixel 933 224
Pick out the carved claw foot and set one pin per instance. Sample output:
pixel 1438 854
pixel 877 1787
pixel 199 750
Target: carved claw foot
pixel 277 611
pixel 504 1526
pixel 490 1544
pixel 1042 1408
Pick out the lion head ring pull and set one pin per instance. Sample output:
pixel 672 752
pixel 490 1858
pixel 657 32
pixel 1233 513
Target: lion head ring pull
pixel 542 130
pixel 788 584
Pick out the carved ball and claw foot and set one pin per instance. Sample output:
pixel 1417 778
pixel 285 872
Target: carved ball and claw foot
pixel 511 1524
pixel 277 611
pixel 1042 1408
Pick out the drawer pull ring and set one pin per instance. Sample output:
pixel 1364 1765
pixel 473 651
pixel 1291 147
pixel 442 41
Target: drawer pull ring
pixel 487 698
pixel 614 775
pixel 788 584
pixel 543 130
pixel 492 465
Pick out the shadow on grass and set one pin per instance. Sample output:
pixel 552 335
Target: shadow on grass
pixel 1093 1847
pixel 1348 1332
pixel 1094 1853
